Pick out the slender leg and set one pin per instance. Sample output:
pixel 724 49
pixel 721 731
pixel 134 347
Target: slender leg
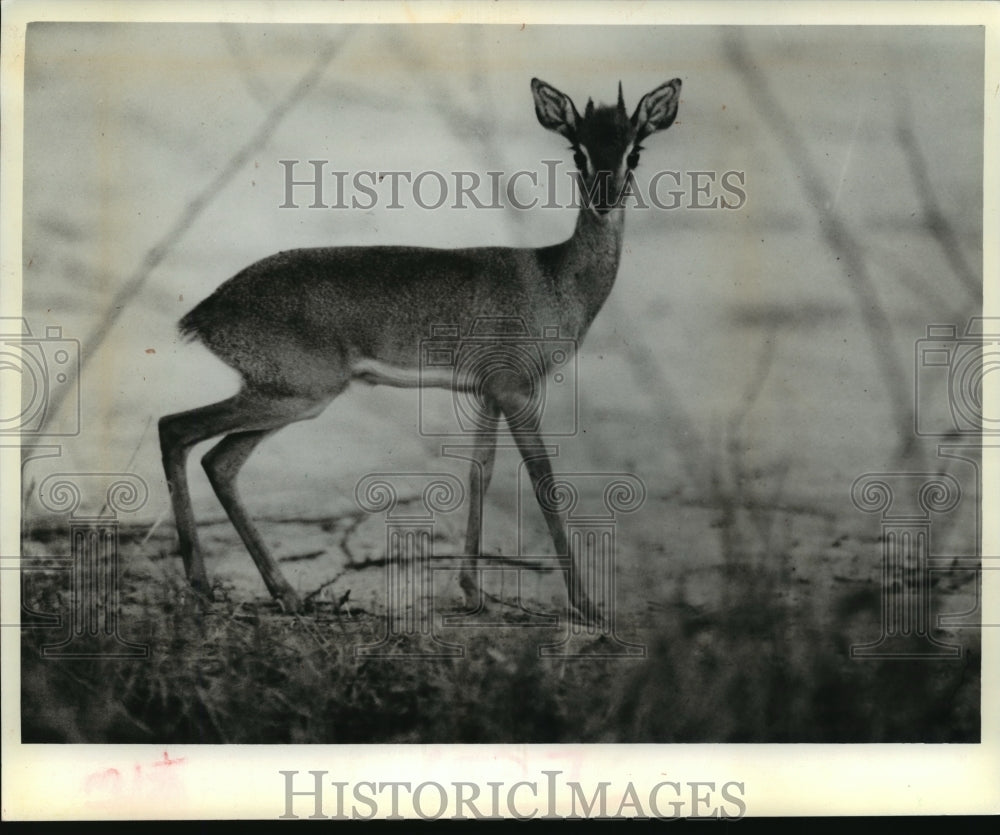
pixel 529 442
pixel 480 474
pixel 178 433
pixel 222 464
pixel 247 412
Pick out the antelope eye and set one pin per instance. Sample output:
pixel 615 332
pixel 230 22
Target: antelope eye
pixel 580 160
pixel 633 159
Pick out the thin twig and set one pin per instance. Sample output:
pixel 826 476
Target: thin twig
pixel 257 89
pixel 311 631
pixel 935 219
pixel 765 360
pixel 319 590
pixel 838 237
pixel 155 255
pixel 672 418
pixel 131 460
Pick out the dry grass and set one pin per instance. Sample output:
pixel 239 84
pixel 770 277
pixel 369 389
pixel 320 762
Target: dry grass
pixel 757 665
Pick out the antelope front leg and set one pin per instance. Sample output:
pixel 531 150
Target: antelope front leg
pixel 539 466
pixel 480 474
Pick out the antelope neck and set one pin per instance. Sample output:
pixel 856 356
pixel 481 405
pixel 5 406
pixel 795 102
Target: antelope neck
pixel 589 258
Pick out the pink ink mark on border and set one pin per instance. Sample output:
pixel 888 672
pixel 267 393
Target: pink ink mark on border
pixel 108 779
pixel 166 761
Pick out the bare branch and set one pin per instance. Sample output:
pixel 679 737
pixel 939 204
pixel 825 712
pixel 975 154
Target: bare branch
pixel 838 237
pixel 193 210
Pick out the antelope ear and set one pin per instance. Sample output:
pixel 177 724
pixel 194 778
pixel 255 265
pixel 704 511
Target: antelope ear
pixel 657 110
pixel 555 110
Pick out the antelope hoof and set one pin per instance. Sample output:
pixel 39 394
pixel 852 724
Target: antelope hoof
pixel 201 587
pixel 289 602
